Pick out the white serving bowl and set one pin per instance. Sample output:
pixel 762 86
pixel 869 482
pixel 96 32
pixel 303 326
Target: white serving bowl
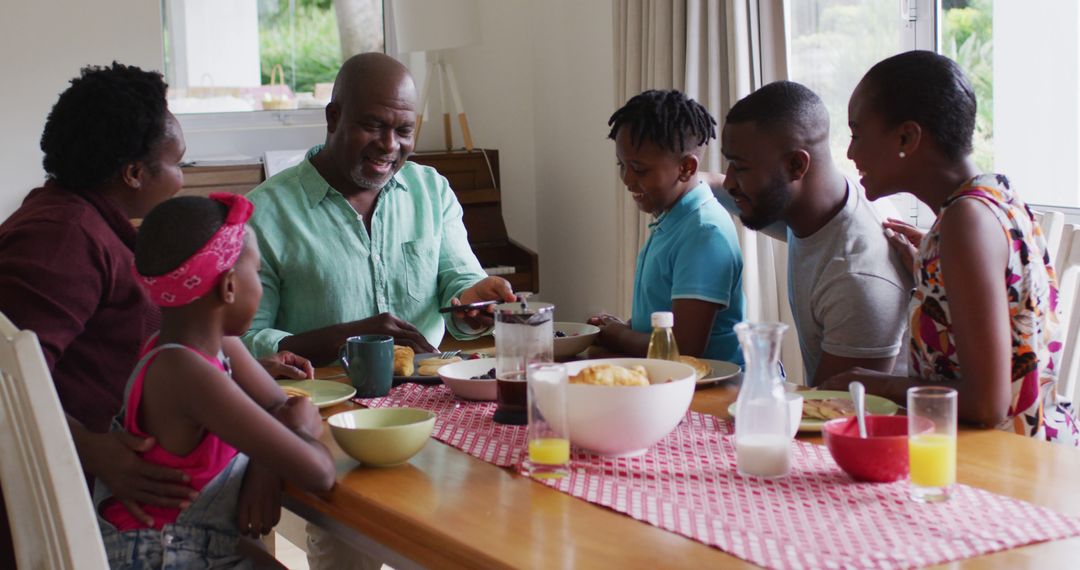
pixel 579 336
pixel 621 421
pixel 458 377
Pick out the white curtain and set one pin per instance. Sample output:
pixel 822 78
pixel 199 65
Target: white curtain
pixel 717 52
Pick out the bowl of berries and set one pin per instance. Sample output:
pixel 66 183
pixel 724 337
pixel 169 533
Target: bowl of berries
pixel 572 338
pixel 471 379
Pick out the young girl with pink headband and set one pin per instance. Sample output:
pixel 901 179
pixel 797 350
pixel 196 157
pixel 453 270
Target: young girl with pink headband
pixel 208 416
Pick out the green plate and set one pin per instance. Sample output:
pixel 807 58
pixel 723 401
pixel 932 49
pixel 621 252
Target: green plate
pixel 323 392
pixel 875 405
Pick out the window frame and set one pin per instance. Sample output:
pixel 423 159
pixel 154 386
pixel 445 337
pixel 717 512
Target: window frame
pixel 264 119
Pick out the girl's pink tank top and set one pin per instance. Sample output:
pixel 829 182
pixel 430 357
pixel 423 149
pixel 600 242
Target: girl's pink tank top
pixel 204 462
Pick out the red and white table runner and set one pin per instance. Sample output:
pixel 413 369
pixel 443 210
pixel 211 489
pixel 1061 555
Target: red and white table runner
pixel 817 517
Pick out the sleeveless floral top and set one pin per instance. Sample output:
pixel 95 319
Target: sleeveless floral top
pixel 1031 287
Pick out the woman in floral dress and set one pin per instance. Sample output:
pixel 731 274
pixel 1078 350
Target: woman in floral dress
pixel 983 315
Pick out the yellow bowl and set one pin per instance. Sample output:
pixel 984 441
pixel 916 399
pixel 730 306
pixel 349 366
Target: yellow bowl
pixel 382 437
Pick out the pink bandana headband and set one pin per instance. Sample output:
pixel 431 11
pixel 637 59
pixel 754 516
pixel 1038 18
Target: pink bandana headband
pixel 200 272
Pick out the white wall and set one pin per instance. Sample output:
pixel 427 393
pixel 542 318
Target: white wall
pixel 540 88
pixel 573 54
pixel 43 44
pixel 1036 84
pixel 496 82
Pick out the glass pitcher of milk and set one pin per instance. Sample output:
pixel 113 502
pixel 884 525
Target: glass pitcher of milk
pixel 762 432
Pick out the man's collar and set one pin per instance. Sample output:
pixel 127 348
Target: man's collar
pixel 316 187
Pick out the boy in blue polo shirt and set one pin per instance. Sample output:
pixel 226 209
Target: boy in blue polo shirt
pixel 690 264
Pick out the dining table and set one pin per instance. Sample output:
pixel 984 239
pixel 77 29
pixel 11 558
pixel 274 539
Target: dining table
pixel 447 509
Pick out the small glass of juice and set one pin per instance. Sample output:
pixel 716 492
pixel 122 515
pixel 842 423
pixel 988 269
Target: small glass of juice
pixel 549 445
pixel 931 442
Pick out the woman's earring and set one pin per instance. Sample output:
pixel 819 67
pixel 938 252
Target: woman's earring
pixel 902 155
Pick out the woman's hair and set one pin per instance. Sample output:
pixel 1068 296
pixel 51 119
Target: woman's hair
pixel 174 230
pixel 110 116
pixel 668 119
pixel 929 89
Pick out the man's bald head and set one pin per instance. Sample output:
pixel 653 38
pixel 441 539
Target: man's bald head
pixel 788 110
pixel 370 123
pixel 366 71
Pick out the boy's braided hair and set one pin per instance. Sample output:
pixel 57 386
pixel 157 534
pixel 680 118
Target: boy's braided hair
pixel 668 119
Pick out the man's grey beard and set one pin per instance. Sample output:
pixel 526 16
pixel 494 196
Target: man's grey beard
pixel 368 183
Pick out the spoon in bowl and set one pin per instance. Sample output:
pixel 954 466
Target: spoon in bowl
pixel 858 395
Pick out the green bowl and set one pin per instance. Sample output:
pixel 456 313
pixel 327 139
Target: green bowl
pixel 382 437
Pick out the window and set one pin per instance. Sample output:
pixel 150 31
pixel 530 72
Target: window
pixel 833 43
pixel 1021 57
pixel 254 55
pixel 1023 60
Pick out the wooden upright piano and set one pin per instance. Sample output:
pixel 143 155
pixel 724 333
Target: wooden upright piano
pixel 474 177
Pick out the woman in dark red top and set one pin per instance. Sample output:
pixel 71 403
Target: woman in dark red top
pixel 112 153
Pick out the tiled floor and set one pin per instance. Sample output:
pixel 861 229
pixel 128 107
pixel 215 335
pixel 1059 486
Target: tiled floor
pixel 289 554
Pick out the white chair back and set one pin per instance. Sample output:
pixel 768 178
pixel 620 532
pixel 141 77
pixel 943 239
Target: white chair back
pixel 1053 225
pixel 1068 272
pixel 53 524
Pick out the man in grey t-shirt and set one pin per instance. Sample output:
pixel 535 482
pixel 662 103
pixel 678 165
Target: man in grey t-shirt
pixel 848 290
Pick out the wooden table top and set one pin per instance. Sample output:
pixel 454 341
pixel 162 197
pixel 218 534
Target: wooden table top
pixel 447 509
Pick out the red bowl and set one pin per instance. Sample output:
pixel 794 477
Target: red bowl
pixel 881 457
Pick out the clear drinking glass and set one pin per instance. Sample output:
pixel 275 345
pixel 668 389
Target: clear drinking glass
pixel 549 443
pixel 931 442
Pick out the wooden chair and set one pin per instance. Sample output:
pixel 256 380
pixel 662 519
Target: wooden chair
pixel 52 520
pixel 1068 271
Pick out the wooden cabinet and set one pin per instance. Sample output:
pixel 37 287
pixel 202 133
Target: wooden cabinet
pixel 474 176
pixel 238 179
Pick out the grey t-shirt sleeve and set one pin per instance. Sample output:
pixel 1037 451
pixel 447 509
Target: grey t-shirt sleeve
pixel 861 316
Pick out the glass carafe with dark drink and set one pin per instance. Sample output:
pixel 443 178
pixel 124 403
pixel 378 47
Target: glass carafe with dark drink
pixel 524 335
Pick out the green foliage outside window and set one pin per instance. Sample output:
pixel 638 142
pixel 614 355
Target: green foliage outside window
pixel 967 37
pixel 305 42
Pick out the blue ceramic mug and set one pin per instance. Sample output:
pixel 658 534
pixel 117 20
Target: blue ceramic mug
pixel 369 362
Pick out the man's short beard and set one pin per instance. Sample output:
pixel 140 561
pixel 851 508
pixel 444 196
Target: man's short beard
pixel 368 183
pixel 770 205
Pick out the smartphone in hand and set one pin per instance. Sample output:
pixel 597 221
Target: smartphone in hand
pixel 469 307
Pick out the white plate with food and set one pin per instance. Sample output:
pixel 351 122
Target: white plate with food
pixel 323 393
pixel 820 406
pixel 420 368
pixel 711 371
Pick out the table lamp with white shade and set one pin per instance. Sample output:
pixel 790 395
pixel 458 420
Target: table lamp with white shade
pixel 434 26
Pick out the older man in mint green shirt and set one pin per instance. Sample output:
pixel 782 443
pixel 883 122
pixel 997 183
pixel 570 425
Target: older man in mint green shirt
pixel 320 267
pixel 355 240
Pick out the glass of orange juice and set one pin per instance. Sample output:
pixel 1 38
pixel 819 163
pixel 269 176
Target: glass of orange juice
pixel 549 443
pixel 931 442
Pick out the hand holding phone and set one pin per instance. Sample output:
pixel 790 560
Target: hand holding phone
pixel 469 307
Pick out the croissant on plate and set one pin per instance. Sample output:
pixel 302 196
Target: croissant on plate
pixel 403 361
